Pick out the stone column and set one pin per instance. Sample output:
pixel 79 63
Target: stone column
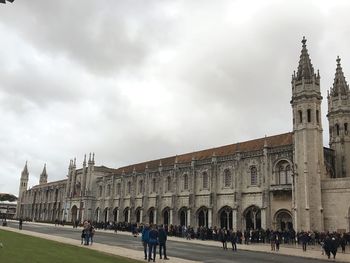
pixel 263 218
pixel 234 220
pixel 141 212
pixel 209 217
pixel 155 216
pixel 188 221
pixel 129 214
pixel 171 216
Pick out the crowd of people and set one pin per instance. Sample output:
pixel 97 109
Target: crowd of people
pixel 329 242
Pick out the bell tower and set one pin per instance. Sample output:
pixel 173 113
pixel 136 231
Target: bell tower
pixel 339 121
pixel 308 145
pixel 23 186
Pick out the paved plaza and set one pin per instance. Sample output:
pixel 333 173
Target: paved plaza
pixel 179 250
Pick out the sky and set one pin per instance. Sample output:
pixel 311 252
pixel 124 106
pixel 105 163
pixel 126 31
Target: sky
pixel 137 80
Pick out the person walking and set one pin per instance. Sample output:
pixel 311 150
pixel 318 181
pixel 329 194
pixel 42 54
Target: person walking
pixel 20 223
pixel 328 246
pixel 233 239
pixel 334 246
pixel 145 239
pixel 152 243
pixel 162 236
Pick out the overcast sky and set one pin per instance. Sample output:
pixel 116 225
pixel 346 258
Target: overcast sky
pixel 138 80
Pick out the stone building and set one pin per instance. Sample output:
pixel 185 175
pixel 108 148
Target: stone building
pixel 284 181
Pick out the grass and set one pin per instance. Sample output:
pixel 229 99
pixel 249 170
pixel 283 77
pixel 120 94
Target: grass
pixel 19 248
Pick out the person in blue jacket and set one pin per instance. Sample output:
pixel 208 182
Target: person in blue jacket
pixel 145 239
pixel 152 243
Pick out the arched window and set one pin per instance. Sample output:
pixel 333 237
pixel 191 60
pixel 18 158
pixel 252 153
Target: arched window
pixel 141 187
pixel 309 115
pixel 154 184
pixel 300 116
pixel 284 173
pixel 227 178
pixel 253 175
pixel 185 179
pixel 205 181
pixel 129 187
pixel 168 184
pixel 346 128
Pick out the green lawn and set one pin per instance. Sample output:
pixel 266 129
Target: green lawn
pixel 22 248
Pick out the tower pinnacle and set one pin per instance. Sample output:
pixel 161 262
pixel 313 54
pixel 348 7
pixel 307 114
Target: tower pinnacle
pixel 340 86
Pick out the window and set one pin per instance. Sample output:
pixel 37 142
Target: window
pixel 284 173
pixel 141 187
pixel 227 178
pixel 253 175
pixel 154 184
pixel 168 184
pixel 317 116
pixel 205 180
pixel 281 175
pixel 300 116
pixel 346 128
pixel 308 115
pixel 337 128
pixel 288 175
pixel 118 188
pixel 185 179
pixel 129 187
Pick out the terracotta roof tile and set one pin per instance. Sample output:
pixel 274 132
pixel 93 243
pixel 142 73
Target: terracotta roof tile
pixel 252 145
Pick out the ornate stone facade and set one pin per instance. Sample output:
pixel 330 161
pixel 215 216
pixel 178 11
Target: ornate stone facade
pixel 283 181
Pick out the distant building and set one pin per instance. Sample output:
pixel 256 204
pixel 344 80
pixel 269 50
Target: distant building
pixel 284 181
pixel 7 209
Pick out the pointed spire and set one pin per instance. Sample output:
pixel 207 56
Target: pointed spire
pixel 89 157
pixel 84 162
pixel 305 68
pixel 93 157
pixel 43 176
pixel 340 86
pixel 44 170
pixel 25 170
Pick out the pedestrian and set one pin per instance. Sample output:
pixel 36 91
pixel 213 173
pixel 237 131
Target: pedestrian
pixel 92 234
pixel 223 238
pixel 277 242
pixel 152 243
pixel 334 246
pixel 145 239
pixel 328 246
pixel 304 240
pixel 82 236
pixel 273 241
pixel 20 223
pixel 233 239
pixel 343 243
pixel 162 237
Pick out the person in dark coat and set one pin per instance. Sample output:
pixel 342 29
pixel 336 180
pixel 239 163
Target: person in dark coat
pixel 233 239
pixel 223 238
pixel 328 246
pixel 343 243
pixel 334 246
pixel 20 223
pixel 145 239
pixel 162 237
pixel 152 243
